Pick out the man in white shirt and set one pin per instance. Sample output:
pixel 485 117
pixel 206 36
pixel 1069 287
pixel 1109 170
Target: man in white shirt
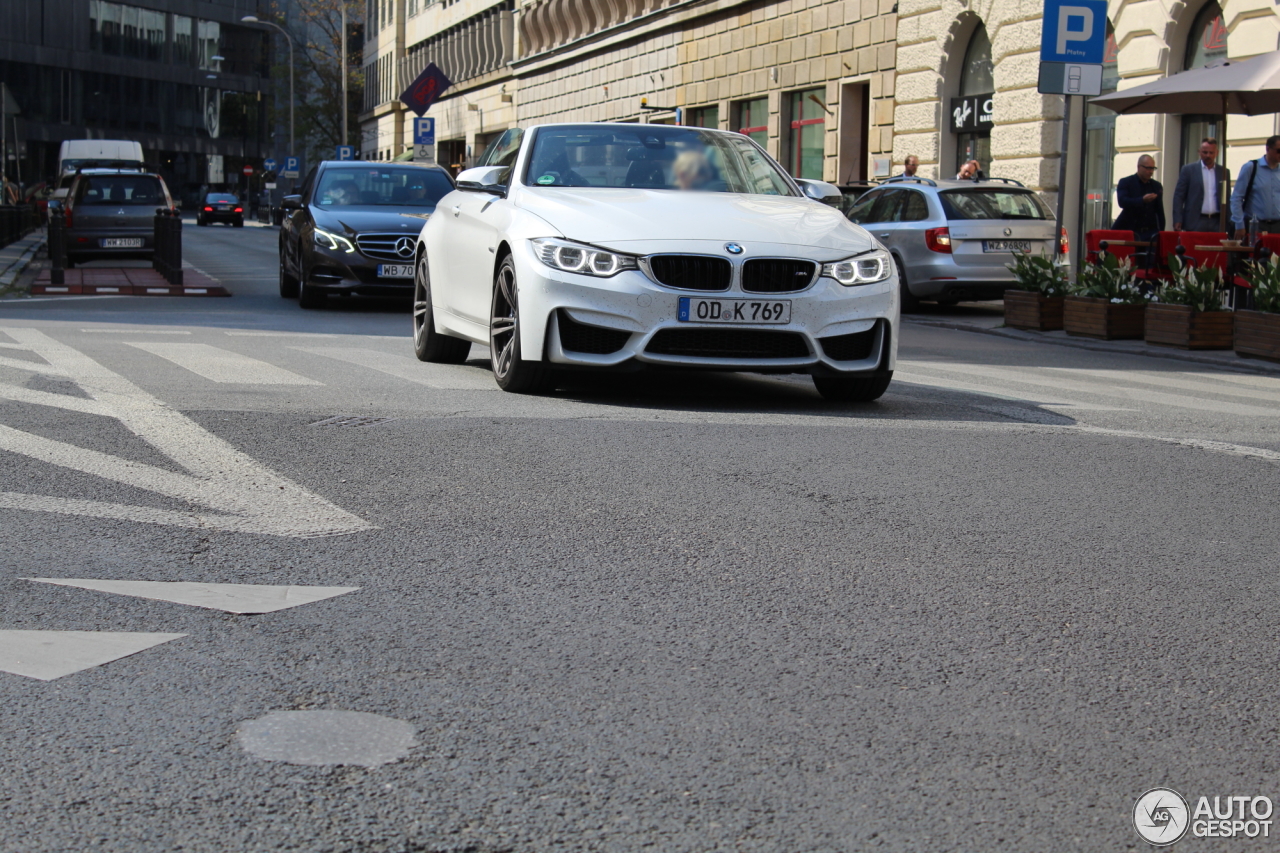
pixel 1197 199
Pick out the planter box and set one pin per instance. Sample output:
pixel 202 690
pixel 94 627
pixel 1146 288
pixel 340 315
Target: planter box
pixel 1179 326
pixel 1026 309
pixel 1258 335
pixel 1100 318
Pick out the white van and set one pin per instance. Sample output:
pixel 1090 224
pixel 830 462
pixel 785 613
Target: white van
pixel 74 153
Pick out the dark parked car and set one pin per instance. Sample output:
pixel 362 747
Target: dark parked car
pixel 110 213
pixel 220 207
pixel 353 229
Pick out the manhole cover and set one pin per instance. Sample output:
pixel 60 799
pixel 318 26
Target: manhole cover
pixel 327 737
pixel 351 421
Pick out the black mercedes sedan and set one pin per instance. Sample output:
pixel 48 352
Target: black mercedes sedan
pixel 352 229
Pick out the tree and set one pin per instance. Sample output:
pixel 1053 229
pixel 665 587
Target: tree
pixel 316 29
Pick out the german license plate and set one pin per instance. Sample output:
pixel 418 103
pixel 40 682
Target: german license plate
pixel 121 242
pixel 745 311
pixel 395 270
pixel 1006 246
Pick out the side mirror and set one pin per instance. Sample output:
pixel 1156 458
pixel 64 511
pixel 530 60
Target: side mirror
pixel 484 179
pixel 291 202
pixel 820 191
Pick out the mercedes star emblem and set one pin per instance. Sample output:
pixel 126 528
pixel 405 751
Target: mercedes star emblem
pixel 733 248
pixel 404 247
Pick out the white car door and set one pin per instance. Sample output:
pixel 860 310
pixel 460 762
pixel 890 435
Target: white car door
pixel 475 221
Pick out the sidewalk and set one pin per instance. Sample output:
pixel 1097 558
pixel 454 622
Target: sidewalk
pixel 15 257
pixel 993 324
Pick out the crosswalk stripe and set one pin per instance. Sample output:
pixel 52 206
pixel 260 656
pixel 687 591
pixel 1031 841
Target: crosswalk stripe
pixel 445 377
pixel 46 655
pixel 1050 401
pixel 228 597
pixel 1021 377
pixel 1165 380
pixel 223 366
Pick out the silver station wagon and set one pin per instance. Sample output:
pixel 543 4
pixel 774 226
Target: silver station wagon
pixel 952 240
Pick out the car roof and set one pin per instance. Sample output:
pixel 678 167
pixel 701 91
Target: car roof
pixel 129 172
pixel 382 164
pixel 954 183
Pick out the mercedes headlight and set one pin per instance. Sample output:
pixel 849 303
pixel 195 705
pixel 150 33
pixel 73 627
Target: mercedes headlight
pixel 580 258
pixel 333 242
pixel 864 269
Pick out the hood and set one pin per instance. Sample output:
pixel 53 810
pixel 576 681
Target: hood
pixel 358 220
pixel 613 217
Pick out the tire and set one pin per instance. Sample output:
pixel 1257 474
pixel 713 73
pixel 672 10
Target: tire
pixel 288 284
pixel 510 371
pixel 200 222
pixel 428 344
pixel 308 297
pixel 910 304
pixel 239 223
pixel 851 389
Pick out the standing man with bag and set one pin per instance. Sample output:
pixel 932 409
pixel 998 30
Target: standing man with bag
pixel 1257 192
pixel 1197 199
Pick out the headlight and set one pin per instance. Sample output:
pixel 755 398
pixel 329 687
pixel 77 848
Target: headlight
pixel 863 269
pixel 335 242
pixel 580 258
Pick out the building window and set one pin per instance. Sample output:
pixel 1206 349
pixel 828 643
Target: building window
pixel 753 119
pixel 805 142
pixel 183 40
pixel 703 117
pixel 971 112
pixel 1100 146
pixel 1206 45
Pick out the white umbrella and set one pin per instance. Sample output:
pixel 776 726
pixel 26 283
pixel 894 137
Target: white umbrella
pixel 1241 87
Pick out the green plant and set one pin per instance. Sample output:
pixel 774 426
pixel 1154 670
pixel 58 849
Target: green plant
pixel 1199 288
pixel 1039 274
pixel 1109 278
pixel 1265 278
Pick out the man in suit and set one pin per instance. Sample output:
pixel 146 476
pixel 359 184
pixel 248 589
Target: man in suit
pixel 1141 201
pixel 910 165
pixel 1197 199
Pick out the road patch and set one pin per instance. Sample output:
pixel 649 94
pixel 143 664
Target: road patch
pixel 318 738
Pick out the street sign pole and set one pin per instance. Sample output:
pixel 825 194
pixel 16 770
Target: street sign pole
pixel 1073 43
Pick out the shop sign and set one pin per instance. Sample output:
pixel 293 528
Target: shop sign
pixel 971 113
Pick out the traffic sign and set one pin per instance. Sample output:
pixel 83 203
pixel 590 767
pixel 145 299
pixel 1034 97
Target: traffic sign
pixel 1074 31
pixel 248 170
pixel 346 152
pixel 424 131
pixel 424 153
pixel 269 165
pixel 1069 78
pixel 291 167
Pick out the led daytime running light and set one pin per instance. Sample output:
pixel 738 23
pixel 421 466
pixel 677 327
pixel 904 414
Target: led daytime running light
pixel 580 258
pixel 862 269
pixel 335 242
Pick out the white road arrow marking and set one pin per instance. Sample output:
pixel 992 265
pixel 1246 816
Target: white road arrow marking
pixel 47 655
pixel 230 490
pixel 230 597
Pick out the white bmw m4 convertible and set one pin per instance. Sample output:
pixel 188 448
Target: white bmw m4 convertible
pixel 596 246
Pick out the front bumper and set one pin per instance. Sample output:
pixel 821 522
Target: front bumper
pixel 834 330
pixel 351 273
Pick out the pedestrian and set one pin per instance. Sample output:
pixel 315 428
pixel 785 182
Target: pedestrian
pixel 971 170
pixel 1197 199
pixel 1140 196
pixel 1257 192
pixel 910 165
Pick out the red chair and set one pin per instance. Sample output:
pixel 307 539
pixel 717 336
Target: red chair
pixel 1166 246
pixel 1190 239
pixel 1093 241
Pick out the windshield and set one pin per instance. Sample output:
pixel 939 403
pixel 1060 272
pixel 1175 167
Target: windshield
pixel 652 157
pixel 120 190
pixel 382 186
pixel 994 204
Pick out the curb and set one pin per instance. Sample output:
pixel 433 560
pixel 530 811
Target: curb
pixel 17 265
pixel 1242 364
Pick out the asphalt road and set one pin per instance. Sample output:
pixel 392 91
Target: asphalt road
pixel 693 613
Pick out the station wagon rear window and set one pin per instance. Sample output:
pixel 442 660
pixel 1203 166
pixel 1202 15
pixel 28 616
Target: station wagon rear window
pixel 993 204
pixel 120 190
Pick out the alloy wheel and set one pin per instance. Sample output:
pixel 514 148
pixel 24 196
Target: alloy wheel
pixel 504 323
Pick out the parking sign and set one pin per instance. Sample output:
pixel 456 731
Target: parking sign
pixel 424 131
pixel 346 152
pixel 1074 31
pixel 290 168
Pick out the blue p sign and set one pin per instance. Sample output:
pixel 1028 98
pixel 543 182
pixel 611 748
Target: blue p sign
pixel 346 152
pixel 1074 31
pixel 424 131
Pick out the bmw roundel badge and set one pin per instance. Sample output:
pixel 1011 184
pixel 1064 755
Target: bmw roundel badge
pixel 733 248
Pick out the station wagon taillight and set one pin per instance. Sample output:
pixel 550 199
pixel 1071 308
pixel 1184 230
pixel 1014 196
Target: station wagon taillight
pixel 938 240
pixel 67 208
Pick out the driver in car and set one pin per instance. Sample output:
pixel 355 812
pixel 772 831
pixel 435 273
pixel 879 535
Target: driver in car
pixel 692 171
pixel 344 192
